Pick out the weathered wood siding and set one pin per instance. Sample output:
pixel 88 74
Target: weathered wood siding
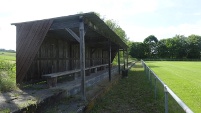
pixel 57 55
pixel 28 41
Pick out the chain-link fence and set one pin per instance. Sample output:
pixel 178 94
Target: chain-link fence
pixel 164 95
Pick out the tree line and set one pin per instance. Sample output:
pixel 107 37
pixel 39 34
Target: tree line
pixel 4 50
pixel 177 47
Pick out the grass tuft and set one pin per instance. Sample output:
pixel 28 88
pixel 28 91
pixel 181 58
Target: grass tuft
pixel 7 76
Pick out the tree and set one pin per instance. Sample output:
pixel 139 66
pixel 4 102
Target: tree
pixel 194 46
pixel 138 50
pixel 175 47
pixel 162 49
pixel 151 41
pixel 117 29
pixel 179 46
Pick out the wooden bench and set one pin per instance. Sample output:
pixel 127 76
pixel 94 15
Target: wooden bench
pixel 52 77
pixel 103 66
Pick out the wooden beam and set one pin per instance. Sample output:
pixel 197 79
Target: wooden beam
pixel 71 58
pixel 82 57
pixel 118 61
pixel 73 34
pixel 63 25
pixel 91 60
pixel 52 55
pixel 124 58
pixel 57 56
pixel 102 57
pixel 93 50
pixel 109 60
pixel 127 57
pixel 52 75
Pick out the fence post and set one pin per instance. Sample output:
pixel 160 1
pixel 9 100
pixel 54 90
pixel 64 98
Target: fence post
pixel 166 98
pixel 155 91
pixel 151 75
pixel 142 63
pixel 145 68
pixel 167 91
pixel 147 71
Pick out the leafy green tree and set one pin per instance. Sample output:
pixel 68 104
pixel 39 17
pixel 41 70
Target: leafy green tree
pixel 162 49
pixel 176 47
pixel 170 47
pixel 194 46
pixel 117 29
pixel 179 45
pixel 151 41
pixel 138 50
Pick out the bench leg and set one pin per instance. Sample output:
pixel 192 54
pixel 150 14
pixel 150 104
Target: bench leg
pixel 52 82
pixel 76 76
pixel 104 67
pixel 95 70
pixel 87 72
pixel 91 70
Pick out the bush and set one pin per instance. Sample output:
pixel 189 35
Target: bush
pixel 7 76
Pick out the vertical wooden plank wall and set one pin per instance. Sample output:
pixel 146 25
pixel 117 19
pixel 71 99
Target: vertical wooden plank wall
pixel 57 55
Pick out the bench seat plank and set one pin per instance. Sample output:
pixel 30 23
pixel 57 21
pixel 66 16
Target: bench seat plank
pixel 52 75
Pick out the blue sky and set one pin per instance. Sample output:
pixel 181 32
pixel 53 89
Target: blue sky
pixel 139 18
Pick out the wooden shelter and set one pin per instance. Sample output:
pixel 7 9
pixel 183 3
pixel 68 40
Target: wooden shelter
pixel 63 44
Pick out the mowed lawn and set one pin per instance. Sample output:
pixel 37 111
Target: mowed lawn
pixel 129 95
pixel 184 78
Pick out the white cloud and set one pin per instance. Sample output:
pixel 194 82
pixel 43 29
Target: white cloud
pixel 123 11
pixel 139 33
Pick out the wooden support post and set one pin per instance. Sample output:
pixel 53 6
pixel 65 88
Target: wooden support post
pixel 64 56
pixel 70 57
pixel 76 76
pixel 82 57
pixel 95 70
pixel 102 68
pixel 91 60
pixel 109 61
pixel 52 60
pixel 119 62
pixel 124 58
pixel 57 55
pixel 127 57
pixel 40 67
pixel 102 57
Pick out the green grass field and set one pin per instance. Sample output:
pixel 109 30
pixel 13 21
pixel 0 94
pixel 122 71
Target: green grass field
pixel 129 95
pixel 7 56
pixel 184 78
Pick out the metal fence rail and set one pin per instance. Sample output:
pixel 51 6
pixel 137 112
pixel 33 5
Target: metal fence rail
pixel 153 78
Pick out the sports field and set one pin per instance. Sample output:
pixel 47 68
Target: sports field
pixel 184 78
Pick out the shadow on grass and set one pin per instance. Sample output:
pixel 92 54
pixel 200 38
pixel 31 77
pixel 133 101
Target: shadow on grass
pixel 132 94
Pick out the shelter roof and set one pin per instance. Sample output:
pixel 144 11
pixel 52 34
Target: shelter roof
pixel 99 31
